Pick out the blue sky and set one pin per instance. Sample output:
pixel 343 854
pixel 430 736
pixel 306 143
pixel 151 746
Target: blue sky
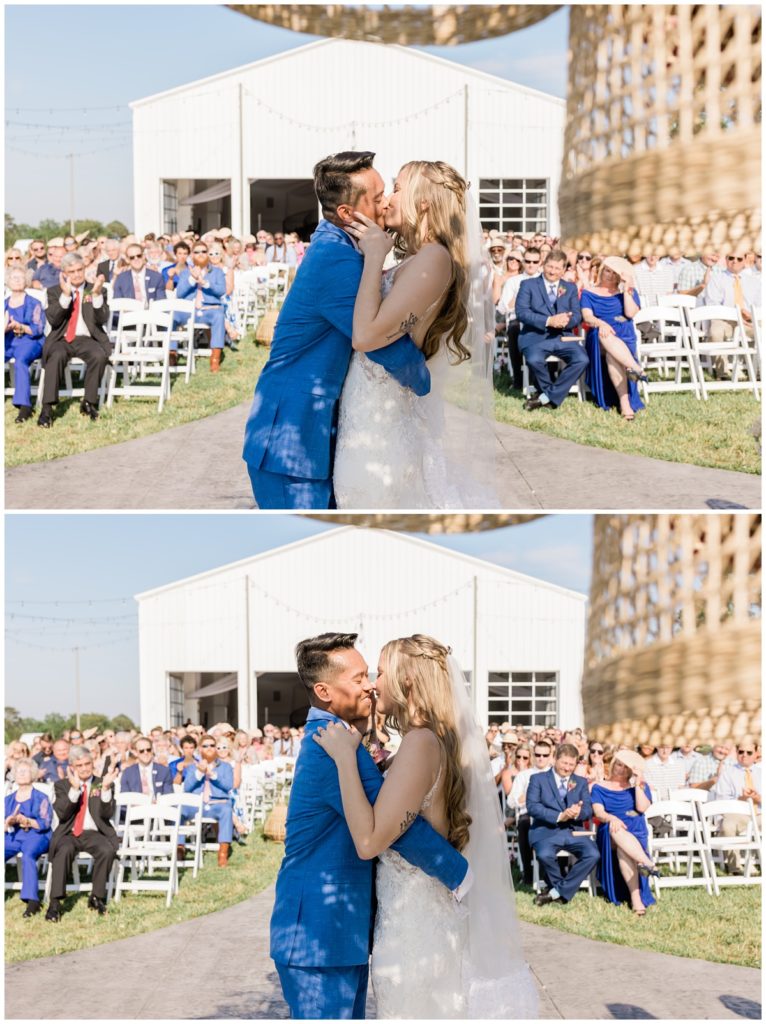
pixel 101 561
pixel 105 55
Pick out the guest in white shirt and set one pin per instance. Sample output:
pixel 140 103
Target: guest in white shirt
pixel 663 772
pixel 288 745
pixel 740 781
pixel 542 759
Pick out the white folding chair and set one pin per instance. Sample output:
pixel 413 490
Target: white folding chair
pixel 182 333
pixel 757 314
pixel 149 844
pixel 677 300
pixel 749 843
pixel 277 283
pixel 123 800
pixel 189 829
pixel 142 347
pixel 672 348
pixel 685 843
pixel 698 795
pixel 738 349
pixel 589 883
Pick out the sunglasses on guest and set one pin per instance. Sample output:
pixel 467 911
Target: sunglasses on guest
pixel 207 746
pixel 532 263
pixel 584 256
pixel 736 259
pixel 522 757
pixel 597 750
pixel 745 751
pixel 143 750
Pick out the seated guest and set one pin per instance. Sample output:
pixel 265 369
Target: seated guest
pixel 653 279
pixel 120 753
pixel 84 804
pixel 676 261
pixel 706 769
pixel 179 765
pixel 27 829
pixel 16 750
pixel 695 277
pixel 287 745
pixel 14 260
pixel 559 803
pixel 215 781
pixel 608 309
pixel 542 758
pixel 547 308
pixel 48 274
pixel 206 285
pixel 182 252
pixel 37 254
pixel 146 775
pixel 110 266
pixel 663 772
pixel 77 313
pixel 24 336
pixel 217 259
pixel 517 759
pixel 733 288
pixel 740 781
pixel 280 252
pixel 594 764
pixel 139 282
pixel 44 759
pixel 620 803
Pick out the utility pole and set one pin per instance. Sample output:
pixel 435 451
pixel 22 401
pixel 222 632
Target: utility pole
pixel 465 131
pixel 77 684
pixel 475 642
pixel 71 215
pixel 244 228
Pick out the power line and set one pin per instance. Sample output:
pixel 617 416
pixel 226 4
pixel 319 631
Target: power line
pixel 72 647
pixel 61 110
pixel 88 601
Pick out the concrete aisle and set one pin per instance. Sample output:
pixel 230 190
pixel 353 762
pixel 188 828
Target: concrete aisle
pixel 199 466
pixel 161 976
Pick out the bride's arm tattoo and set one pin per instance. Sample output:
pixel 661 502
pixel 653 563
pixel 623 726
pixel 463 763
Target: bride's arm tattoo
pixel 404 326
pixel 409 817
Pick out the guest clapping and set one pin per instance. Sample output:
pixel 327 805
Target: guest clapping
pixel 28 818
pixel 215 781
pixel 24 336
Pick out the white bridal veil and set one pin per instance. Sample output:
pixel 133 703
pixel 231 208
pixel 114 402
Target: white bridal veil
pixel 496 978
pixel 462 472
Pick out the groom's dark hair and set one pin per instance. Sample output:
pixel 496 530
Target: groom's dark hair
pixel 332 180
pixel 313 655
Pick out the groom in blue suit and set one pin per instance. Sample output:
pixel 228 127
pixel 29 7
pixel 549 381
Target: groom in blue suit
pixel 321 925
pixel 290 433
pixel 547 307
pixel 559 803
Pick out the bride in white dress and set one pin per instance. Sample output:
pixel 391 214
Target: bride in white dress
pixel 394 449
pixel 434 957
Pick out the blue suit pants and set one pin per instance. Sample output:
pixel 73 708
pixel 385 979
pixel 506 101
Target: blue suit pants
pixel 273 490
pixel 214 317
pixel 325 993
pixel 584 849
pixel 572 355
pixel 30 845
pixel 23 351
pixel 223 814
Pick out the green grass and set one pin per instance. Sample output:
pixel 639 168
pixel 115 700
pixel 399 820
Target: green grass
pixel 683 922
pixel 251 869
pixel 673 427
pixel 204 395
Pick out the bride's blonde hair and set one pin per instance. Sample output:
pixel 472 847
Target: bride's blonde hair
pixel 420 693
pixel 433 210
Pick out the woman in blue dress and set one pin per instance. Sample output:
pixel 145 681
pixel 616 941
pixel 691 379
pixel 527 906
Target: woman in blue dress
pixel 24 336
pixel 619 803
pixel 28 817
pixel 608 311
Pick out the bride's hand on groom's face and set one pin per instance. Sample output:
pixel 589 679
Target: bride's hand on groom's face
pixel 373 241
pixel 336 740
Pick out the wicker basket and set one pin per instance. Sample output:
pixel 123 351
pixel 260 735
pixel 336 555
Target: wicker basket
pixel 275 826
pixel 264 332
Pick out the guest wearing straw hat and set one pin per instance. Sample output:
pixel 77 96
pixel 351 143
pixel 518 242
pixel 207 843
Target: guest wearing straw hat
pixel 608 309
pixel 619 803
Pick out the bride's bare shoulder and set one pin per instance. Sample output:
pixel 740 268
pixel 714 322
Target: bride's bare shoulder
pixel 421 742
pixel 433 254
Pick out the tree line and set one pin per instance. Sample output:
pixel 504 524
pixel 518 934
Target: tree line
pixel 55 723
pixel 49 228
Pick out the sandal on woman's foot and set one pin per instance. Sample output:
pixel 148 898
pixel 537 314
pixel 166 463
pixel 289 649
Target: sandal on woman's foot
pixel 637 375
pixel 649 871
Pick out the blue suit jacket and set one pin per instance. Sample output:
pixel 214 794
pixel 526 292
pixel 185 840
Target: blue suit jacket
pixel 220 787
pixel 533 307
pixel 544 805
pixel 323 911
pixel 130 780
pixel 155 286
pixel 212 295
pixel 292 424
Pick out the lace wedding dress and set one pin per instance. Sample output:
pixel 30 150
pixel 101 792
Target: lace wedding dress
pixel 420 935
pixel 388 454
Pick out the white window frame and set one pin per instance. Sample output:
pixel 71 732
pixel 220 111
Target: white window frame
pixel 524 218
pixel 501 708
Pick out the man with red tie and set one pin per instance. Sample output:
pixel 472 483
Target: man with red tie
pixel 84 805
pixel 77 313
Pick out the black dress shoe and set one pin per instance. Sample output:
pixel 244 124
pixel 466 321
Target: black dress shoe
pixel 543 898
pixel 86 409
pixel 535 403
pixel 33 907
pixel 24 414
pixel 53 912
pixel 45 418
pixel 96 903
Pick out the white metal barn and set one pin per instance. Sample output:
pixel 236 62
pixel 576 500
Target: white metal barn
pixel 238 148
pixel 220 645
